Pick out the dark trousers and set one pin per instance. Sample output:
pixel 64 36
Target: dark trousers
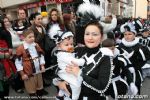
pixel 17 82
pixel 5 92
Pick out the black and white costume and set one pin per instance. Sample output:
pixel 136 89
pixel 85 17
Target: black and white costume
pixel 145 41
pixel 138 55
pixel 120 86
pixel 97 73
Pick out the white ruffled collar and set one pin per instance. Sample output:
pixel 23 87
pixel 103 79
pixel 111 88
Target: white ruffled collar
pixel 130 44
pixel 106 51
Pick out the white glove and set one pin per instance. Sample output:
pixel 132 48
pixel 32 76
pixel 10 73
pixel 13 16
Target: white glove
pixel 133 89
pixel 131 69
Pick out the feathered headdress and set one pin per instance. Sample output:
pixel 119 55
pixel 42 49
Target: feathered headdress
pixel 89 12
pixel 138 25
pixel 54 30
pixel 128 26
pixel 57 34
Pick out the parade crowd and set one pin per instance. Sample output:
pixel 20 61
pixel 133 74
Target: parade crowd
pixel 85 55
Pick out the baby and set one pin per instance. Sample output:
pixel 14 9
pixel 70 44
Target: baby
pixel 65 56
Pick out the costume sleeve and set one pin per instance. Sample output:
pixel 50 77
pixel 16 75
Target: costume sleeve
pixel 18 60
pixel 124 64
pixel 18 64
pixel 42 61
pixel 146 52
pixel 109 27
pixel 101 83
pixel 67 59
pixel 8 38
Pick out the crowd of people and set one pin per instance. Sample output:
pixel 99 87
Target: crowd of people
pixel 96 56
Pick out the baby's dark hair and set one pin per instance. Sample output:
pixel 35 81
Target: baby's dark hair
pixel 108 43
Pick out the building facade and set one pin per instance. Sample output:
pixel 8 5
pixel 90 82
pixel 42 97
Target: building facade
pixel 140 8
pixel 122 7
pixel 31 6
pixel 148 9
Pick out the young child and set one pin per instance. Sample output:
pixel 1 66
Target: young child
pixel 65 56
pixel 145 41
pixel 122 67
pixel 19 29
pixel 30 64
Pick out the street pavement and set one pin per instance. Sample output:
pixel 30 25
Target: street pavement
pixel 145 93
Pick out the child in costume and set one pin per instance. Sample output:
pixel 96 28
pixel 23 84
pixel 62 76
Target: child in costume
pixel 122 79
pixel 30 64
pixel 65 56
pixel 145 41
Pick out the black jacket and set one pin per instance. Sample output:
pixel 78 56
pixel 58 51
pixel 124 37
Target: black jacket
pixel 5 35
pixel 97 74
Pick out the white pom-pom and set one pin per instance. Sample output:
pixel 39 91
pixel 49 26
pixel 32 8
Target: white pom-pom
pixel 54 31
pixel 133 88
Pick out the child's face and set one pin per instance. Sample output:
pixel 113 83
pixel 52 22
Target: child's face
pixel 66 45
pixel 145 34
pixel 30 38
pixel 129 36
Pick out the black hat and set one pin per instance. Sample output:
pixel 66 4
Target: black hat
pixel 145 30
pixel 129 26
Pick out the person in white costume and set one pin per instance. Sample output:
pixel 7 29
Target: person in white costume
pixel 65 56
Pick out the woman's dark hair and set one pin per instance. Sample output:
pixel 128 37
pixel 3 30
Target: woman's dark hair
pixel 31 18
pixel 2 22
pixel 35 14
pixel 97 24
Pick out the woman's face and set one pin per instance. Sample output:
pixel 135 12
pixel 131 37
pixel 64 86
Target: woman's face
pixel 38 20
pixel 92 36
pixel 129 36
pixel 7 23
pixel 54 16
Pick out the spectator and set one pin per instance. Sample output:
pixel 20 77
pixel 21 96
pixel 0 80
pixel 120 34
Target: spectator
pixel 16 83
pixel 23 18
